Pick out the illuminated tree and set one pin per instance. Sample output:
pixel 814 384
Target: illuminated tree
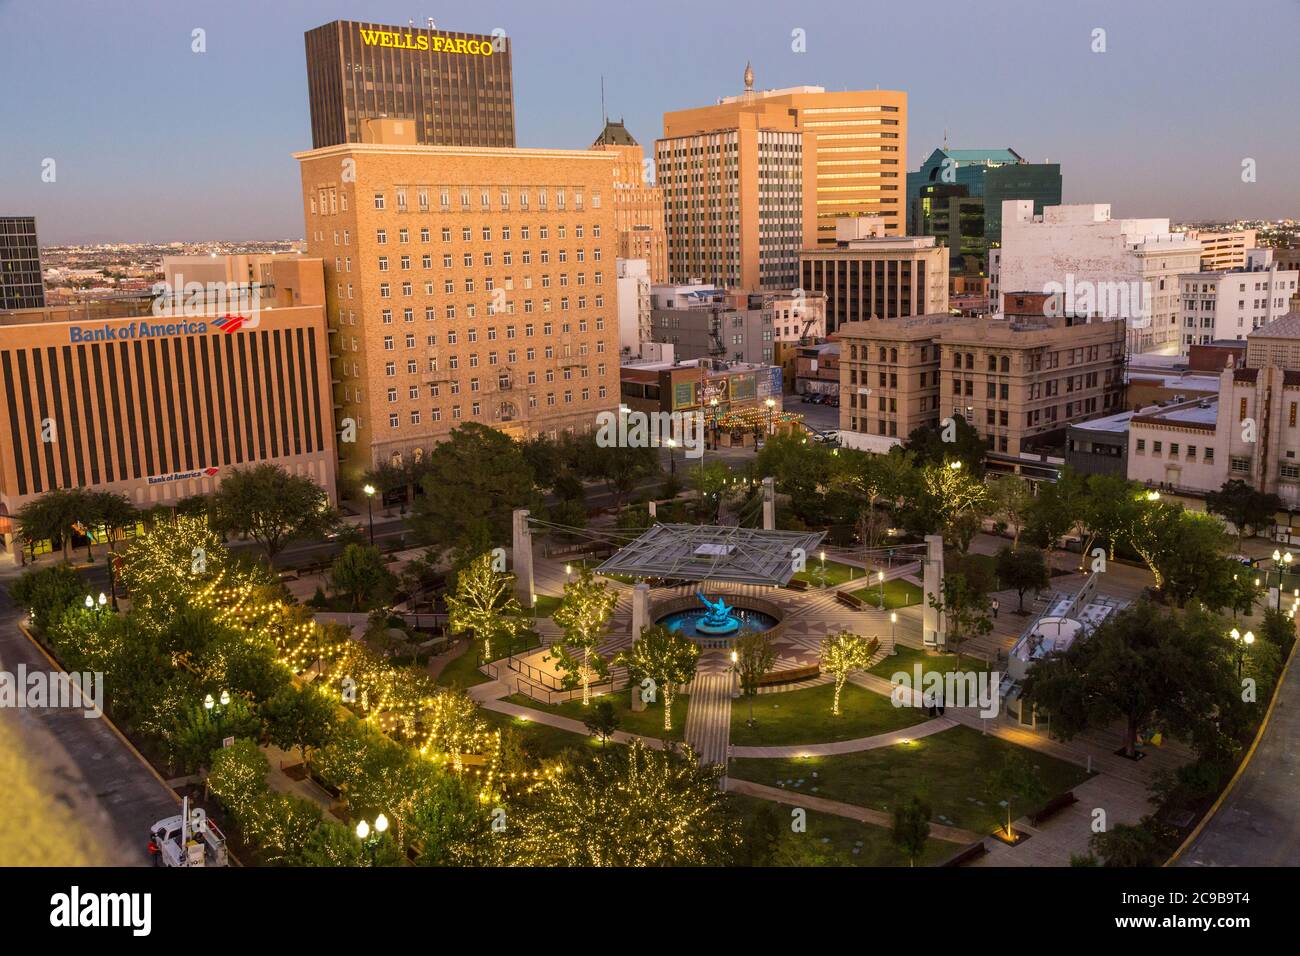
pixel 632 807
pixel 584 613
pixel 1019 780
pixel 755 655
pixel 1010 499
pixel 664 656
pixel 484 603
pixel 842 653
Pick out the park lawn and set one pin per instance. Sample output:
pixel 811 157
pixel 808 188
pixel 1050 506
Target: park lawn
pixel 462 671
pixel 898 593
pixel 647 723
pixel 540 740
pixel 594 564
pixel 954 771
pixel 836 573
pixel 545 605
pixel 804 716
pixel 907 657
pixel 846 842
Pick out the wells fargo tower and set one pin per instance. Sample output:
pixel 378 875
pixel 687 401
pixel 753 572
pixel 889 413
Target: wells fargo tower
pixel 456 88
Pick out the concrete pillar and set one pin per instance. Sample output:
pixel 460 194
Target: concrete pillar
pixel 932 623
pixel 769 504
pixel 640 608
pixel 523 555
pixel 653 505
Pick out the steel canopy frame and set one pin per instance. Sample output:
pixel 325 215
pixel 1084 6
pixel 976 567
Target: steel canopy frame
pixel 693 552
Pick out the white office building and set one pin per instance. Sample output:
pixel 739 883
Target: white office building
pixel 1232 303
pixel 1113 268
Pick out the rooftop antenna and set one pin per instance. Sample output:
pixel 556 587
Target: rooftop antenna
pixel 945 139
pixel 429 20
pixel 604 117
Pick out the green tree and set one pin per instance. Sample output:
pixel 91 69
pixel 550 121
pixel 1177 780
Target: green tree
pixel 841 654
pixel 474 481
pixel 198 731
pixel 302 718
pixel 237 776
pixel 1010 499
pixel 928 445
pixel 964 606
pixel 360 575
pixel 266 503
pixel 484 604
pixel 911 828
pixel 664 656
pixel 1020 781
pixel 584 613
pixel 1109 508
pixel 601 721
pixel 47 593
pixel 1145 667
pixel 632 807
pixel 1050 516
pixel 755 655
pixel 1022 569
pixel 1247 510
pixel 52 517
pixel 1128 845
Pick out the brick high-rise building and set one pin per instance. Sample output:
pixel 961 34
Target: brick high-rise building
pixel 638 204
pixel 463 284
pixel 456 88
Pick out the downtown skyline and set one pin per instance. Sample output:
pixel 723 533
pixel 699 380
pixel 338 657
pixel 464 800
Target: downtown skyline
pixel 153 142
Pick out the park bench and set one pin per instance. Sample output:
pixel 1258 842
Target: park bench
pixel 850 600
pixel 796 584
pixel 966 854
pixel 1053 807
pixel 789 675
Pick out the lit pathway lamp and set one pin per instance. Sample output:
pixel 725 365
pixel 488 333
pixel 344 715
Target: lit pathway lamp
pixel 771 404
pixel 1283 563
pixel 672 457
pixel 370 509
pixel 370 836
pixel 1242 642
pixel 735 675
pixel 880 578
pixel 893 620
pixel 217 707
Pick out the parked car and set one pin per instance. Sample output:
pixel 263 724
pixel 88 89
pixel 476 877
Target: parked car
pixel 833 401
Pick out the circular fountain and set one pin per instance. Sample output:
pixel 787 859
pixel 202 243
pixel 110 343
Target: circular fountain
pixel 716 619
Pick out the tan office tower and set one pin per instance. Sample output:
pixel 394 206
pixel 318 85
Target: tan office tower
pixel 456 88
pixel 463 285
pixel 856 140
pixel 638 205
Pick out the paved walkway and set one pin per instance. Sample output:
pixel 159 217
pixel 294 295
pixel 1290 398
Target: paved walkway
pixel 708 718
pixel 925 729
pixel 807 801
pixel 564 723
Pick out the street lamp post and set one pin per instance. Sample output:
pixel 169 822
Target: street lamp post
pixel 217 707
pixel 370 836
pixel 370 509
pixel 672 457
pixel 1242 641
pixel 771 404
pixel 735 675
pixel 880 578
pixel 1283 564
pixel 893 619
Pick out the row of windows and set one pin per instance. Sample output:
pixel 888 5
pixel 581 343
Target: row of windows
pixel 504 412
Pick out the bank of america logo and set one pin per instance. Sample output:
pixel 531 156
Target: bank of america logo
pixel 230 323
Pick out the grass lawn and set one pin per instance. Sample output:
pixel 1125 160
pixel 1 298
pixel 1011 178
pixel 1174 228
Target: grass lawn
pixel 909 656
pixel 545 605
pixel 954 771
pixel 540 741
pixel 898 593
pixel 594 564
pixel 462 671
pixel 647 723
pixel 843 842
pixel 835 573
pixel 804 717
